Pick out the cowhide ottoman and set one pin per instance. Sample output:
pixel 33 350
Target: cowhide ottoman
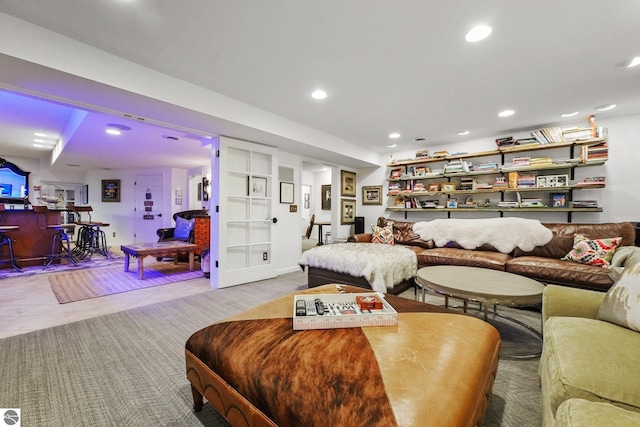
pixel 435 368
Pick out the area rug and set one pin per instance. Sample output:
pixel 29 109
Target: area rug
pixel 96 261
pixel 98 282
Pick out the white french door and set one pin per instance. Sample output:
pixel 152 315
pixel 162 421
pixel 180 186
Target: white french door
pixel 148 206
pixel 246 182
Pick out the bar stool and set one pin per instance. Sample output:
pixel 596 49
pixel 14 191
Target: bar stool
pixel 6 241
pixel 91 238
pixel 62 235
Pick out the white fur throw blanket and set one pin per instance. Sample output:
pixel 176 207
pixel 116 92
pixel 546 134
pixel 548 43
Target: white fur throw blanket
pixel 504 234
pixel 382 265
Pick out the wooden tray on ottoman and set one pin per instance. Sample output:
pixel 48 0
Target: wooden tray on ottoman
pixel 435 367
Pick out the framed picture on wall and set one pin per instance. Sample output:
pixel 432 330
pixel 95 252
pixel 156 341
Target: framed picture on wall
pixel 326 197
pixel 347 184
pixel 286 192
pixel 110 190
pixel 372 195
pixel 85 194
pixel 347 211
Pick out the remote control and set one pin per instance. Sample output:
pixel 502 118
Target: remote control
pixel 319 306
pixel 311 308
pixel 301 308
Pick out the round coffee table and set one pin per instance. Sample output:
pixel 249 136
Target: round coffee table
pixel 485 286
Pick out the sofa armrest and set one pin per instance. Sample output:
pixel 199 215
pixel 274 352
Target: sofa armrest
pixel 570 302
pixel 360 238
pixel 164 233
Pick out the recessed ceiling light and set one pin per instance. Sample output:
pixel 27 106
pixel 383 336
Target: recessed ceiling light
pixel 38 145
pixel 634 62
pixel 319 94
pixel 463 133
pixel 112 131
pixel 506 113
pixel 606 107
pixel 40 134
pixel 392 145
pixel 394 135
pixel 574 113
pixel 477 33
pixel 39 140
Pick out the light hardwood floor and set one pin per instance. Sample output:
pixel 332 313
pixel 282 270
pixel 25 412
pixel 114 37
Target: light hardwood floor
pixel 28 304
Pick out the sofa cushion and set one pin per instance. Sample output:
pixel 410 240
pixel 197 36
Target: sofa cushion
pixel 563 272
pixel 589 359
pixel 563 233
pixel 621 304
pixel 583 413
pixel 453 256
pixel 403 233
pixel 596 252
pixel 382 235
pixel 183 228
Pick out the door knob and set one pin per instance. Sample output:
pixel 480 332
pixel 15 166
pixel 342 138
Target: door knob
pixel 274 220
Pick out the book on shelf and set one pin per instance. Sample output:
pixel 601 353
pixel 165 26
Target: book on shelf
pixel 521 161
pixel 467 183
pixel 584 204
pixel 548 135
pixel 486 167
pixel 500 182
pixel 526 141
pixel 526 180
pixel 442 153
pixel 507 141
pixel 531 203
pixel 595 181
pixel 584 133
pixel 595 153
pixel 484 186
pixel 506 204
pixel 455 166
pixel 541 161
pixel 422 154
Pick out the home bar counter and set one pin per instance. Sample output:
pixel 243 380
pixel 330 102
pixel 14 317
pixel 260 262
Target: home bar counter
pixel 32 242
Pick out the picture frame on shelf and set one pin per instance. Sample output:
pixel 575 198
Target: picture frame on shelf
pixel 452 203
pixel 347 183
pixel 111 190
pixel 347 211
pixel 559 200
pixel 286 192
pixel 422 171
pixel 433 187
pixel 372 195
pixel 326 197
pixel 395 173
pixel 448 186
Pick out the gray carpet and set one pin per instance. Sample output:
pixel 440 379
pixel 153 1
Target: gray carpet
pixel 127 368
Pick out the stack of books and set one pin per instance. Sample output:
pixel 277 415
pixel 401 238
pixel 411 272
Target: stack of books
pixel 394 188
pixel 486 167
pixel 419 187
pixel 526 181
pixel 505 142
pixel 595 153
pixel 467 183
pixel 584 204
pixel 596 181
pixel 532 203
pixel 521 161
pixel 440 154
pixel 505 204
pixel 500 182
pixel 483 186
pixel 548 135
pixel 583 134
pixel 541 161
pixel 455 166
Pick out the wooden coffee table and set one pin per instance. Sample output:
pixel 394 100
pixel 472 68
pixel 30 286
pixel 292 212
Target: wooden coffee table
pixel 157 249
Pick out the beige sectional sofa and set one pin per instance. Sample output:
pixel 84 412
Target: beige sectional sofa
pixel 590 367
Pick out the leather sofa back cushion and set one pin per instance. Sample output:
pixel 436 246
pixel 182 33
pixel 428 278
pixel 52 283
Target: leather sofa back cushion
pixel 562 241
pixel 403 234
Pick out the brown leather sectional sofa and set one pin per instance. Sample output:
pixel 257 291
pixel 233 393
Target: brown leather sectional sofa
pixel 543 263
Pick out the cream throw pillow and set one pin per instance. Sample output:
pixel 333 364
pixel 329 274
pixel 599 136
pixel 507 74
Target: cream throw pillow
pixel 621 304
pixel 382 234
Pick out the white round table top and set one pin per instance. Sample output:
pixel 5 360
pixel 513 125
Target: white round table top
pixel 481 284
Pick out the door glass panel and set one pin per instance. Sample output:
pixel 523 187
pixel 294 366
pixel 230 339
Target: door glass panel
pixel 238 160
pixel 238 208
pixel 260 232
pixel 238 185
pixel 261 163
pixel 238 233
pixel 258 254
pixel 260 210
pixel 237 258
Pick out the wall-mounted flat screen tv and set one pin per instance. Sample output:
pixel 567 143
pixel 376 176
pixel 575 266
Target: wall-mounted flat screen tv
pixel 14 183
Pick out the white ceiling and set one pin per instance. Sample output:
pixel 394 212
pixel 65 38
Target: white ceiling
pixel 400 66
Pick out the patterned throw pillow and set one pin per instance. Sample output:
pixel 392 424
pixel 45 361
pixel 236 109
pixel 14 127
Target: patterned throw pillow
pixel 621 304
pixel 596 252
pixel 382 234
